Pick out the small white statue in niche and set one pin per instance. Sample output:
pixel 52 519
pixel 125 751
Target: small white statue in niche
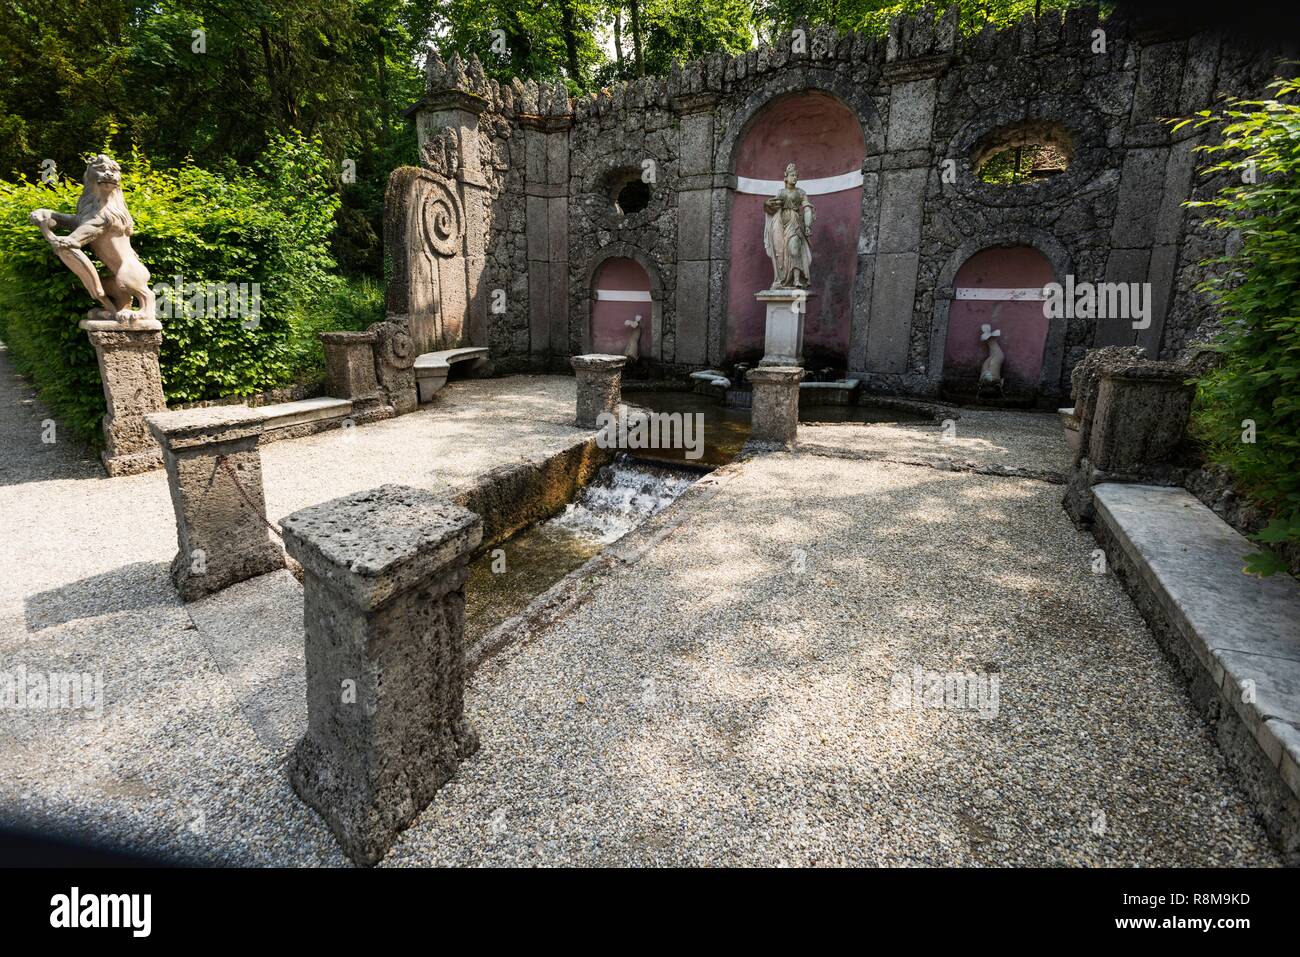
pixel 633 347
pixel 991 370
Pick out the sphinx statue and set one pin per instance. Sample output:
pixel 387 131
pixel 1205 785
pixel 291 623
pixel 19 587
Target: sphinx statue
pixel 103 223
pixel 787 231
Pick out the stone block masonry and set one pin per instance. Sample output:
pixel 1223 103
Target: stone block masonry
pixel 384 608
pixel 775 416
pixel 599 387
pixel 1235 637
pixel 350 369
pixel 214 473
pixel 516 202
pixel 1141 416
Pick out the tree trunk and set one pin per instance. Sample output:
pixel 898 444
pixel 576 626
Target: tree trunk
pixel 383 90
pixel 618 38
pixel 635 6
pixel 570 40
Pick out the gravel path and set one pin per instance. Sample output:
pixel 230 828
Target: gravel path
pixel 714 705
pixel 724 700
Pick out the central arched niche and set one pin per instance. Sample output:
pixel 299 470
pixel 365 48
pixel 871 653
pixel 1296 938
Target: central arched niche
pixel 1002 287
pixel 824 139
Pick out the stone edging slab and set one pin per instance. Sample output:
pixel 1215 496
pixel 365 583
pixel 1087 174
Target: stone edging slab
pixel 1236 637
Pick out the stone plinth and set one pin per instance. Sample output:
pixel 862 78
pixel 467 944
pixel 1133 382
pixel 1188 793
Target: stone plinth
pixel 350 371
pixel 128 366
pixel 1140 417
pixel 775 415
pixel 599 384
pixel 214 472
pixel 384 593
pixel 394 353
pixel 1085 382
pixel 783 338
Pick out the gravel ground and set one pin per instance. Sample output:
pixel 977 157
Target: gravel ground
pixel 712 703
pixel 979 440
pixel 186 757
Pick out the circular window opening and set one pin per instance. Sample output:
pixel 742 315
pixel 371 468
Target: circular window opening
pixel 1023 154
pixel 632 197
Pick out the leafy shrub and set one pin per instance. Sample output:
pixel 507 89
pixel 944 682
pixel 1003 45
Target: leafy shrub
pixel 1259 295
pixel 350 304
pixel 269 225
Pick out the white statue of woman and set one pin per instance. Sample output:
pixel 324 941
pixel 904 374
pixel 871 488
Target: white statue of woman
pixel 786 234
pixel 991 370
pixel 633 347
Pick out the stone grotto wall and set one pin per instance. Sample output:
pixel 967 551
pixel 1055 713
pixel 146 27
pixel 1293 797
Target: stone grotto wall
pixel 535 179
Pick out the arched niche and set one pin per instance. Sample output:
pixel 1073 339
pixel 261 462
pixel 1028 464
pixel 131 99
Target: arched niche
pixel 1060 265
pixel 1001 287
pixel 823 137
pixel 621 292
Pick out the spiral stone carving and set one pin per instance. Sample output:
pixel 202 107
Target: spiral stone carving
pixel 444 222
pixel 393 346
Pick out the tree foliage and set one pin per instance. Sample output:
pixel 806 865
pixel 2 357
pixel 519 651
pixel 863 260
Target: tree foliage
pixel 1258 292
pixel 267 225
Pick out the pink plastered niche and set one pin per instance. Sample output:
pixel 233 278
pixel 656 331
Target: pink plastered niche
pixel 1023 323
pixel 823 138
pixel 609 332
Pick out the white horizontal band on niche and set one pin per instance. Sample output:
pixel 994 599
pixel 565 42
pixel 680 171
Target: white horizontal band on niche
pixel 813 187
pixel 622 295
pixel 1031 294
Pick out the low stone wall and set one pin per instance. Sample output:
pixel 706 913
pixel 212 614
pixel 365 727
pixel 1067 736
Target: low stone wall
pixel 509 498
pixel 1132 419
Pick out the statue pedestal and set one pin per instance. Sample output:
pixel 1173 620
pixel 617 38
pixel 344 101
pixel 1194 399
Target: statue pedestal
pixel 128 366
pixel 783 339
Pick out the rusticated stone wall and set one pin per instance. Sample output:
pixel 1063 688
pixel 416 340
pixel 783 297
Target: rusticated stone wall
pixel 535 176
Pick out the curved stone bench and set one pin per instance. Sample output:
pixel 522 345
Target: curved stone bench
pixel 432 368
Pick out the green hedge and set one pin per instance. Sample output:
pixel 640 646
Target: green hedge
pixel 269 225
pixel 1259 294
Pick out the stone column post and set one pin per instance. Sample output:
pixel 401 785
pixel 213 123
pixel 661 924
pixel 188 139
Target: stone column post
pixel 775 415
pixel 128 366
pixel 214 472
pixel 350 369
pixel 546 120
pixel 915 60
pixel 1140 418
pixel 384 595
pixel 599 386
pixel 395 364
pixel 696 204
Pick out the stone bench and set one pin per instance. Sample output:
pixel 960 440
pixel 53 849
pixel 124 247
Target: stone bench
pixel 432 368
pixel 303 412
pixel 1236 637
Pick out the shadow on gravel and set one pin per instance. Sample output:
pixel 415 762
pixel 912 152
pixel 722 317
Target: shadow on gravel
pixel 134 587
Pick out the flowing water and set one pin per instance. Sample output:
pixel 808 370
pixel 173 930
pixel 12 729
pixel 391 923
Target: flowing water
pixel 620 497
